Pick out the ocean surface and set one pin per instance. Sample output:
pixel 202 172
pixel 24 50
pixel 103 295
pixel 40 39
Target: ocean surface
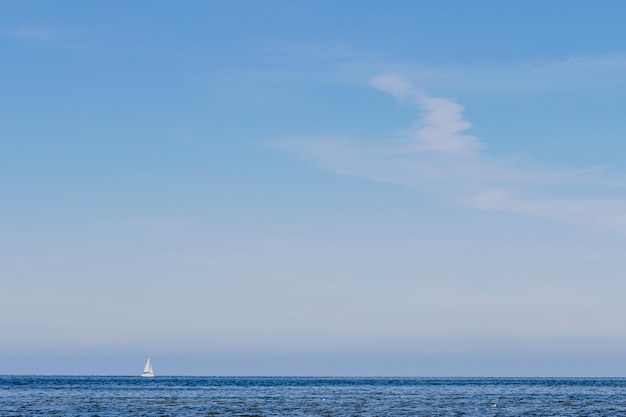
pixel 246 397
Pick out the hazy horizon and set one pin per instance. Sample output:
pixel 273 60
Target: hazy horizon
pixel 347 365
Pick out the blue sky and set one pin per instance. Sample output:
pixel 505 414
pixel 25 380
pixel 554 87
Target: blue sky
pixel 313 188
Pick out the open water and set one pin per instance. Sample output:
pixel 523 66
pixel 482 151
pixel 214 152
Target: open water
pixel 246 397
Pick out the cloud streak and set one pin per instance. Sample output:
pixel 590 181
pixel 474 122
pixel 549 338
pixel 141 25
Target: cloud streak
pixel 436 156
pixel 32 34
pixel 568 75
pixel 609 214
pixel 440 128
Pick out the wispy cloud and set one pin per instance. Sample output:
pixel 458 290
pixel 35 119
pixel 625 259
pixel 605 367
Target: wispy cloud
pixel 608 214
pixel 571 74
pixel 32 34
pixel 441 125
pixel 434 155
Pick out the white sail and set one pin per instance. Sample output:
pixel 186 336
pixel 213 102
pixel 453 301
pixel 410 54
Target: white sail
pixel 147 370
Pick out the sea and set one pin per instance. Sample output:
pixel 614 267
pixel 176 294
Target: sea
pixel 311 396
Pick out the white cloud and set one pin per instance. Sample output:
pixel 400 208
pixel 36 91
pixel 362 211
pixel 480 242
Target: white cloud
pixel 435 157
pixel 439 128
pixel 397 86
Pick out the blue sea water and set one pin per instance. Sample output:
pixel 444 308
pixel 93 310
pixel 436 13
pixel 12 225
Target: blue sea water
pixel 279 396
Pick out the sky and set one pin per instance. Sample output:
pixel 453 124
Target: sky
pixel 405 188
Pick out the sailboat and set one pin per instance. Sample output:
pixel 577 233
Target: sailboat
pixel 147 370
